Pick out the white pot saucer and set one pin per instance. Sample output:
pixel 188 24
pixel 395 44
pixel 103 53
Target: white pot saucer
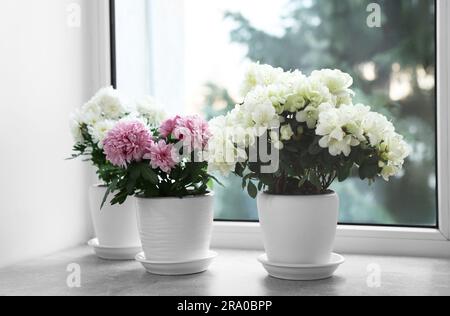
pixel 302 272
pixel 114 253
pixel 177 268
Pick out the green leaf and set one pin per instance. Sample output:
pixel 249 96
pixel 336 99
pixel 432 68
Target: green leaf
pixel 302 182
pixel 244 183
pixel 239 170
pixel 131 185
pixel 314 149
pixel 135 172
pixel 260 186
pixel 149 175
pixel 120 198
pixel 344 172
pixel 368 171
pixel 252 190
pixel 111 188
pixel 314 179
pixel 216 180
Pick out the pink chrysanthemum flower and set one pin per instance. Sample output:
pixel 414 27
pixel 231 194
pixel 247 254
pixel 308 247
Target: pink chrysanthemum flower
pixel 128 141
pixel 168 126
pixel 193 131
pixel 162 155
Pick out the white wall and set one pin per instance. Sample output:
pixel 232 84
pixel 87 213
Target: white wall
pixel 45 72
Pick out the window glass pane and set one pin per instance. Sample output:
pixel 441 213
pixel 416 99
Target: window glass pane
pixel 195 53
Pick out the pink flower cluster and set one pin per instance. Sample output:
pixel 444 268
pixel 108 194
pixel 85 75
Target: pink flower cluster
pixel 162 155
pixel 132 141
pixel 193 131
pixel 128 141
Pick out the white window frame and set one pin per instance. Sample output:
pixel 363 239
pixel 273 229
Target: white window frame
pixel 350 239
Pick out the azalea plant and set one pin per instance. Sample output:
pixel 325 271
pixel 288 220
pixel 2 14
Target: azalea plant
pixel 317 131
pixel 164 161
pixel 91 123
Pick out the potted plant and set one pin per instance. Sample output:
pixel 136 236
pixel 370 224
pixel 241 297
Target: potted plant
pixel 115 227
pixel 165 169
pixel 316 135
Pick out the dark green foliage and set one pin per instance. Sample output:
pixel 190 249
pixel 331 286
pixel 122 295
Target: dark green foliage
pixel 187 179
pixel 306 168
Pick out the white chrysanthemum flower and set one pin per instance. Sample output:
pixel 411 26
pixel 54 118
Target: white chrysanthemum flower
pixel 151 111
pixel 76 131
pixel 110 103
pixel 286 132
pixel 99 131
pixel 90 113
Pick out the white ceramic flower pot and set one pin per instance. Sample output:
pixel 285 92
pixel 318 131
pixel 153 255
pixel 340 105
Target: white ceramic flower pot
pixel 115 226
pixel 174 229
pixel 298 229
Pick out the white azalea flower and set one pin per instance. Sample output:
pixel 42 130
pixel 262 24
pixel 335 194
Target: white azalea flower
pixel 340 145
pixel 354 115
pixel 286 132
pixel 389 171
pixel 223 154
pixel 278 94
pixel 376 127
pixel 295 102
pixel 310 114
pixel 243 137
pixel 260 75
pixel 336 126
pixel 393 151
pixel 265 117
pixel 337 82
pixel 316 93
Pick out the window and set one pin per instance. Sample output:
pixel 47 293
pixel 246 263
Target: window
pixel 191 56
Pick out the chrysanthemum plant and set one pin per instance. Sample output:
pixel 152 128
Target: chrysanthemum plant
pixel 318 134
pixel 91 123
pixel 167 161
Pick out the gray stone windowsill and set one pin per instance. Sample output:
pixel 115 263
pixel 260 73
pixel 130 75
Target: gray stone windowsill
pixel 234 273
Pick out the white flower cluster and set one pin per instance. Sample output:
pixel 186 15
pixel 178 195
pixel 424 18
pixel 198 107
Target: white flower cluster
pixel 349 126
pixel 105 109
pixel 151 111
pixel 222 152
pixel 323 102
